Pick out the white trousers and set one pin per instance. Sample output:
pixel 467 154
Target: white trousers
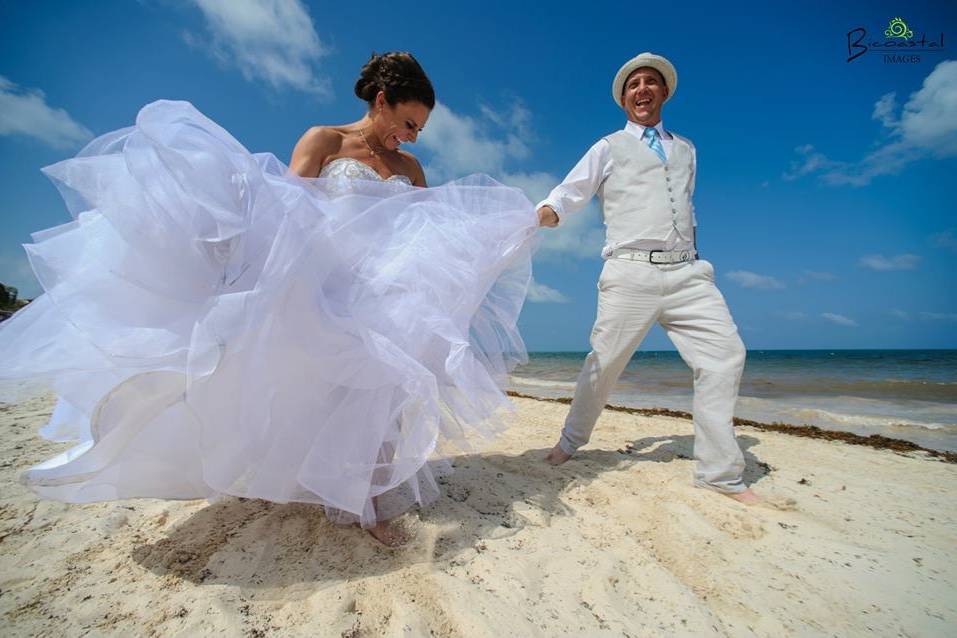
pixel 683 298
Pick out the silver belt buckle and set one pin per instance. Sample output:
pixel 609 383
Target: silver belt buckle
pixel 674 256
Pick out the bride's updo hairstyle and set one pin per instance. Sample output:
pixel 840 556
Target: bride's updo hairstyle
pixel 399 76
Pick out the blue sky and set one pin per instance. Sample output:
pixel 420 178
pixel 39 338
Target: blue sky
pixel 825 194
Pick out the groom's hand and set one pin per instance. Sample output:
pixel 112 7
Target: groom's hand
pixel 547 217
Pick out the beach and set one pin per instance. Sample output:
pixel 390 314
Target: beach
pixel 616 542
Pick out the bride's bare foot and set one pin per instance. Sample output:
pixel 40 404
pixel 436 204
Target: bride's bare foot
pixel 557 456
pixel 389 534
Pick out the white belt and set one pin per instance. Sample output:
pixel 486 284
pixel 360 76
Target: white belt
pixel 654 256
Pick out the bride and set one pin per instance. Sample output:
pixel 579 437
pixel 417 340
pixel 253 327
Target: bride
pixel 400 98
pixel 214 322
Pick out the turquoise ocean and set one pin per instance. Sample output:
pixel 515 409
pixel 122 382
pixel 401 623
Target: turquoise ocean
pixel 904 394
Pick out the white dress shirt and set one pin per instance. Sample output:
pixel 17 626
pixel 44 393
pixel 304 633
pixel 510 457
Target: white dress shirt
pixel 585 179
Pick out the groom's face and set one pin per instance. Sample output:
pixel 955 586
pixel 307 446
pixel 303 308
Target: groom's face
pixel 645 92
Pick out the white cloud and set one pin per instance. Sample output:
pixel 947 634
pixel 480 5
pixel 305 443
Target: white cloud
pixel 810 161
pixel 457 145
pixel 886 160
pixel 516 121
pixel 840 320
pixel 579 235
pixel 926 127
pixel 268 40
pixel 899 314
pixel 747 279
pixel 884 110
pixel 460 145
pixel 881 263
pixel 929 119
pixel 535 185
pixel 540 293
pixel 26 112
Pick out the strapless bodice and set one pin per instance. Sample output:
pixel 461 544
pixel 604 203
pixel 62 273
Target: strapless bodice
pixel 349 168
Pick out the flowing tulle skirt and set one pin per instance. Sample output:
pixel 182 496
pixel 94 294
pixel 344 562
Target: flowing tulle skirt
pixel 213 325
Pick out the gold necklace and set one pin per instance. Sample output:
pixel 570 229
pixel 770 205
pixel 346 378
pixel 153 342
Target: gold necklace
pixel 371 150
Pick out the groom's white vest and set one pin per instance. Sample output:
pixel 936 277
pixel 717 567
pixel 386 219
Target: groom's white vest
pixel 644 198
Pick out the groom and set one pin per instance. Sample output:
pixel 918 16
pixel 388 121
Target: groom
pixel 644 176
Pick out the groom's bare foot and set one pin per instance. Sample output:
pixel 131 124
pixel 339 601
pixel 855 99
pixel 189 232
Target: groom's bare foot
pixel 557 456
pixel 747 497
pixel 389 534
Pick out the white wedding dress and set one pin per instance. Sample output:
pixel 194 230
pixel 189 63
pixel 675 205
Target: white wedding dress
pixel 214 325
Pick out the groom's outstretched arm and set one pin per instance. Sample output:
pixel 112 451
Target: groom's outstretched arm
pixel 578 187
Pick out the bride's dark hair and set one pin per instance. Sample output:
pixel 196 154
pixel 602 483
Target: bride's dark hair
pixel 399 75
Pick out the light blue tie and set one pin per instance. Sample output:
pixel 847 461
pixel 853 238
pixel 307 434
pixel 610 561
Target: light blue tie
pixel 654 142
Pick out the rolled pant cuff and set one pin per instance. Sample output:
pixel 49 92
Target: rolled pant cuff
pixel 567 446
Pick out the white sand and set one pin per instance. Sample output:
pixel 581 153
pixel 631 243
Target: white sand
pixel 612 543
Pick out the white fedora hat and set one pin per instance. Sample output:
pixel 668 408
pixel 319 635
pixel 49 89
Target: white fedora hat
pixel 656 62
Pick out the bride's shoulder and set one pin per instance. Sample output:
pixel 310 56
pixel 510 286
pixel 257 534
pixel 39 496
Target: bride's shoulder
pixel 315 145
pixel 326 139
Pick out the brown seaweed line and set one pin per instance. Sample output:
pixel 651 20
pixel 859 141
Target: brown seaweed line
pixel 808 431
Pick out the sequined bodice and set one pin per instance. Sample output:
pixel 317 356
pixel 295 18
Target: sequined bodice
pixel 348 168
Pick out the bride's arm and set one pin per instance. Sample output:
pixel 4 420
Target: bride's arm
pixel 312 149
pixel 414 169
pixel 419 179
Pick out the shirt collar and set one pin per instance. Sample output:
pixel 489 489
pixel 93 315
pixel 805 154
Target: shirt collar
pixel 639 131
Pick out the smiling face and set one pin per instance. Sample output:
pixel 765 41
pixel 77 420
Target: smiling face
pixel 399 124
pixel 644 93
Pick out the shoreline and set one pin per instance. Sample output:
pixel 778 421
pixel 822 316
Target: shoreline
pixel 876 441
